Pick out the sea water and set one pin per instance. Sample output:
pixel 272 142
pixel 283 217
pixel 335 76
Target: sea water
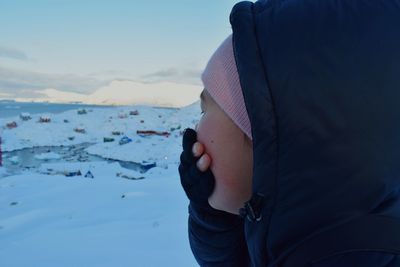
pixel 9 108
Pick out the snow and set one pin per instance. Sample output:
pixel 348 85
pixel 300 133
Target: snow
pixel 25 114
pixel 14 159
pixel 46 156
pixel 99 123
pixel 2 171
pixel 121 217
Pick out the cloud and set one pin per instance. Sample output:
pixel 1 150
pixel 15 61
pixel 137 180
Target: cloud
pixel 22 82
pixel 111 75
pixel 4 95
pixel 158 88
pixel 8 52
pixel 190 76
pixel 163 73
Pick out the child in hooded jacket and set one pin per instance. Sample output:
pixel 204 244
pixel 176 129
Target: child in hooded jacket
pixel 216 173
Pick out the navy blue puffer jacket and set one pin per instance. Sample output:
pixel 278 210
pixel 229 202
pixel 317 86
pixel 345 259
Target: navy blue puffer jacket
pixel 321 83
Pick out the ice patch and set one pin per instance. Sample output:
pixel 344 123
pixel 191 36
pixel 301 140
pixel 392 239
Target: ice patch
pixel 47 156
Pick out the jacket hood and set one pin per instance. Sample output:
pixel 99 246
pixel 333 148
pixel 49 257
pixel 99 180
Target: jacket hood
pixel 321 84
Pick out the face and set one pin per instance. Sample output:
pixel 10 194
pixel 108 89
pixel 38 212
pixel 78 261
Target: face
pixel 231 155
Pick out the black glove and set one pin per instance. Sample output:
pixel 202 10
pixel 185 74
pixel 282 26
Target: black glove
pixel 198 185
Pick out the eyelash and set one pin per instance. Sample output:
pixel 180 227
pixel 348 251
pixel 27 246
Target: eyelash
pixel 201 113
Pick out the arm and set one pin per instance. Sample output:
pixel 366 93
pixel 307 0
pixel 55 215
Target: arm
pixel 217 237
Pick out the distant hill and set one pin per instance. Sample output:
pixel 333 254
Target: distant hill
pixel 124 92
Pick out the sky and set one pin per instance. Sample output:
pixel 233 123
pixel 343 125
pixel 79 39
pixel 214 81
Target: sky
pixel 80 46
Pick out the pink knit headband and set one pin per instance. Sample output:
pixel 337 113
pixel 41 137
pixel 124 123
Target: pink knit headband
pixel 221 80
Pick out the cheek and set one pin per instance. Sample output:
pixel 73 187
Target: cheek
pixel 212 133
pixel 207 131
pixel 218 135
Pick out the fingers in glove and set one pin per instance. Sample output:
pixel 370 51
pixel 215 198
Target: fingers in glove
pixel 192 176
pixel 200 185
pixel 189 138
pixel 196 177
pixel 203 163
pixel 197 149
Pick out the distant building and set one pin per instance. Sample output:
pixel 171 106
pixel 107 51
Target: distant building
pixel 122 115
pixel 12 125
pixel 44 119
pixel 89 175
pixel 25 116
pixel 80 130
pixel 116 133
pixel 125 140
pixel 108 139
pixel 82 111
pixel 134 113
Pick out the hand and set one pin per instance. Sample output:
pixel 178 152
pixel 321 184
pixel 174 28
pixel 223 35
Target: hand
pixel 196 178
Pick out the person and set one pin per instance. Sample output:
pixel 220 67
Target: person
pixel 295 160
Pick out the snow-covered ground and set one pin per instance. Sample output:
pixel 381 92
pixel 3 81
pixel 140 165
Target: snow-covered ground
pixel 98 123
pixel 2 171
pixel 120 217
pixel 49 155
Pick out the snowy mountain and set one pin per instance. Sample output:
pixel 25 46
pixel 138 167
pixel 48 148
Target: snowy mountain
pixel 121 92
